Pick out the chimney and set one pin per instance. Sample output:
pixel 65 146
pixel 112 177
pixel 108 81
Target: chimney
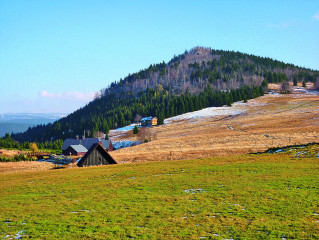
pixel 77 137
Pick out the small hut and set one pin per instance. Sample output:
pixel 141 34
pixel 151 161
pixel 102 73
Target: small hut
pixel 148 121
pixel 95 156
pixel 75 150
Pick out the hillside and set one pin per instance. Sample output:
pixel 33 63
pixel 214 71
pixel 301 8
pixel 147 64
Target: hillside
pixel 189 82
pixel 272 120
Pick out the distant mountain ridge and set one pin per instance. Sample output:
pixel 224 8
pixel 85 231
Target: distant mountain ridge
pixel 20 122
pixel 31 118
pixel 193 80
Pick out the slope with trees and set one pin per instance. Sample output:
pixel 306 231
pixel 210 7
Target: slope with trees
pixel 196 79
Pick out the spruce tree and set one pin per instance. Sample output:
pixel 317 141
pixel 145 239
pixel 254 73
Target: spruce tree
pixel 245 98
pixel 304 83
pixel 135 130
pixel 161 118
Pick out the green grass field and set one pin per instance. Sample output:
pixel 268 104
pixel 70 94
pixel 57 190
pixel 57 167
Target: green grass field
pixel 265 196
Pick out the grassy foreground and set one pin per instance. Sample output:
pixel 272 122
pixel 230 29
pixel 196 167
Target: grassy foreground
pixel 266 196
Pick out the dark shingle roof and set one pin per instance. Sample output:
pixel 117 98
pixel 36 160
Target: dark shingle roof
pixel 87 142
pixel 69 141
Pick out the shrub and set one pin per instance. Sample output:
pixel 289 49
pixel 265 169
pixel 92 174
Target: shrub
pixel 135 130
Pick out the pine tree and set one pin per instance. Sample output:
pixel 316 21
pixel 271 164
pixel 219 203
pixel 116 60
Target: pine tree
pixel 161 118
pixel 304 83
pixel 228 101
pixel 135 130
pixel 245 98
pixel 105 127
pixel 122 120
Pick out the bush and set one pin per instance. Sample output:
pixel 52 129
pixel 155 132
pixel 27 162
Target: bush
pixel 135 130
pixel 16 158
pixel 285 88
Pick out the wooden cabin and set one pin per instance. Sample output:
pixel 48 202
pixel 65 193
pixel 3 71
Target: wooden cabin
pixel 95 156
pixel 148 121
pixel 75 150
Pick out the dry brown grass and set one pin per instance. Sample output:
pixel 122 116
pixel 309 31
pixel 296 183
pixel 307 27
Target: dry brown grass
pixel 268 121
pixel 9 153
pixel 14 167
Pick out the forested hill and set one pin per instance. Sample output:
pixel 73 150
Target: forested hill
pixel 223 70
pixel 188 82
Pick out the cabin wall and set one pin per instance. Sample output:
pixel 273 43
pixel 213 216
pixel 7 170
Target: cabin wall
pixel 95 158
pixel 68 151
pixel 154 121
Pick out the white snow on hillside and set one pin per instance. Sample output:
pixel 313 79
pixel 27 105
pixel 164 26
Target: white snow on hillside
pixel 125 144
pixel 205 113
pixel 124 129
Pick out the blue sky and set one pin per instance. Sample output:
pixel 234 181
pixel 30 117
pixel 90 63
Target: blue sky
pixel 54 55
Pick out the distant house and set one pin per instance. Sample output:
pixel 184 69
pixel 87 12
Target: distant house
pixel 107 144
pixel 97 155
pixel 148 121
pixel 86 142
pixel 75 150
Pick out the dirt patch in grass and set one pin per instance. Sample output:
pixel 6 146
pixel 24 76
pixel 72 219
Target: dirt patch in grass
pixel 14 167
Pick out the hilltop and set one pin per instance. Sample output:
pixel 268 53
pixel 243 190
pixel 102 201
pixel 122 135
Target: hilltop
pixel 199 78
pixel 223 70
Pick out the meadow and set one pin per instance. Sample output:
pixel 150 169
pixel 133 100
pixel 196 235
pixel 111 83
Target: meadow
pixel 269 121
pixel 252 196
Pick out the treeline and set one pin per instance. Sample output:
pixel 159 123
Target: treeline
pixel 8 142
pixel 110 111
pixel 17 158
pixel 276 77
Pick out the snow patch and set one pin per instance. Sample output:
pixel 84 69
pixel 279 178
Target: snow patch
pixel 125 144
pixel 124 129
pixel 206 113
pixel 19 235
pixel 193 190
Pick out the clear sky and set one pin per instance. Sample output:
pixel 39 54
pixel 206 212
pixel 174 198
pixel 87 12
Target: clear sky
pixel 55 54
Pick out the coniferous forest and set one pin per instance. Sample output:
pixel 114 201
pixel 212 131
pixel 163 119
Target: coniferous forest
pixel 196 79
pixel 112 112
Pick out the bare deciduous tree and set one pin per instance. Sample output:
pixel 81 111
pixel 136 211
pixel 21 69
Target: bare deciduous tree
pixel 285 88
